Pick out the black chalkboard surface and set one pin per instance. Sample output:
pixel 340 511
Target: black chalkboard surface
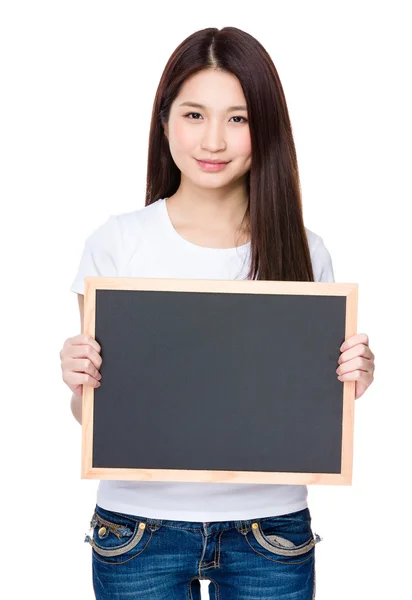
pixel 231 381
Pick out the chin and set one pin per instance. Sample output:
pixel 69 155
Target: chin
pixel 211 184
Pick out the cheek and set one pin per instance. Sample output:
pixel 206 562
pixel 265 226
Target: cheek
pixel 181 136
pixel 244 151
pixel 243 145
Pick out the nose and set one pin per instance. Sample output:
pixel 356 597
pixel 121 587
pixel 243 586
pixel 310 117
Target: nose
pixel 214 138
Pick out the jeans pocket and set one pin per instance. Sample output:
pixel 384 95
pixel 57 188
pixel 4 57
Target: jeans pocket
pixel 115 535
pixel 286 538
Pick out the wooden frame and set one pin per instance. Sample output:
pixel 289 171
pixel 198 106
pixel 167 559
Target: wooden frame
pixel 350 290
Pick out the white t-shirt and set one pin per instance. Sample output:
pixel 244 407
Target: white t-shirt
pixel 144 243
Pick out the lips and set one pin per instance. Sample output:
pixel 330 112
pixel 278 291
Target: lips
pixel 213 162
pixel 211 166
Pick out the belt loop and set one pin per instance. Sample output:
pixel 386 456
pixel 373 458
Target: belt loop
pixel 154 524
pixel 247 525
pixel 243 527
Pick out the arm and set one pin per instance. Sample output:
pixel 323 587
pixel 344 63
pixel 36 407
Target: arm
pixel 76 401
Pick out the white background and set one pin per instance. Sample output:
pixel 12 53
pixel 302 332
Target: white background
pixel 78 79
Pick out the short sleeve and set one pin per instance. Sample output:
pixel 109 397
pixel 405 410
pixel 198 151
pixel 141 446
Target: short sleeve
pixel 322 263
pixel 101 254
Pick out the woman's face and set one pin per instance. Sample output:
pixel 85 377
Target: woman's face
pixel 209 121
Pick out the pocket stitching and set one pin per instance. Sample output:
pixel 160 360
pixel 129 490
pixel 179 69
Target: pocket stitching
pixel 117 550
pixel 299 562
pixel 296 551
pixel 127 559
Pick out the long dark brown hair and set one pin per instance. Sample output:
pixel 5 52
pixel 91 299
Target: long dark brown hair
pixel 279 245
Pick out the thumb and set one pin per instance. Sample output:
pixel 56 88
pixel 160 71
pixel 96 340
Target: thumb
pixel 360 389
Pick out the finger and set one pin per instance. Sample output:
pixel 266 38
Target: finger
pixel 81 351
pixel 359 338
pixel 82 338
pixel 358 350
pixel 357 375
pixel 73 378
pixel 359 363
pixel 360 389
pixel 82 365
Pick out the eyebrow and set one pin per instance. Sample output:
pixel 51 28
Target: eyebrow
pixel 196 105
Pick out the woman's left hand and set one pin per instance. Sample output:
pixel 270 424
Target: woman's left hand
pixel 357 363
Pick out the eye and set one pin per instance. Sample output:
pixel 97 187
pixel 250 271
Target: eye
pixel 245 120
pixel 188 116
pixel 192 113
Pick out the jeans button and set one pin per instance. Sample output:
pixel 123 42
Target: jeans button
pixel 102 531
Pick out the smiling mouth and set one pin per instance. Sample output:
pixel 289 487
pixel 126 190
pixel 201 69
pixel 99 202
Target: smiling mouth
pixel 213 162
pixel 211 167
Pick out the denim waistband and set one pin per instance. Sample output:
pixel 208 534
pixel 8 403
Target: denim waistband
pixel 212 526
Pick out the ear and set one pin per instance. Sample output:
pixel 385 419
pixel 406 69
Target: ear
pixel 166 130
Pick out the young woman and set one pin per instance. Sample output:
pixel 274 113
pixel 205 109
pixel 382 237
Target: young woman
pixel 222 202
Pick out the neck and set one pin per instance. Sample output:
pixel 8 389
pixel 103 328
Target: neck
pixel 210 217
pixel 226 205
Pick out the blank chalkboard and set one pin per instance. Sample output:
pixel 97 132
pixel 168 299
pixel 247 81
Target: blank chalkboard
pixel 221 381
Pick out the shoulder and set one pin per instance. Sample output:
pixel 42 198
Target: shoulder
pixel 321 258
pixel 315 242
pixel 109 246
pixel 119 228
pixel 139 219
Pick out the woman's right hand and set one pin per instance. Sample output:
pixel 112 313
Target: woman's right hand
pixel 80 363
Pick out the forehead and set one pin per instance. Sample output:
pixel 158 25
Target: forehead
pixel 214 88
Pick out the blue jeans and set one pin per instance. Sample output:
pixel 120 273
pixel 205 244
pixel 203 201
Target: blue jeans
pixel 157 559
